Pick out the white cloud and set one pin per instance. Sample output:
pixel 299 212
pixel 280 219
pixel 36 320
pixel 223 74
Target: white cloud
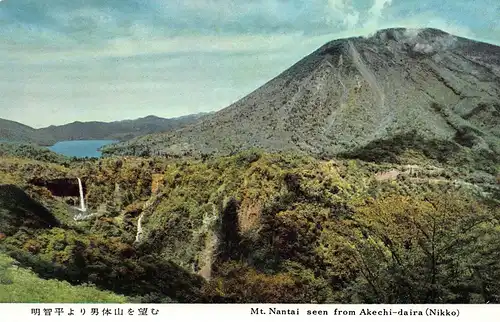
pixel 342 13
pixel 351 20
pixel 375 13
pixel 423 48
pixel 180 45
pixel 378 7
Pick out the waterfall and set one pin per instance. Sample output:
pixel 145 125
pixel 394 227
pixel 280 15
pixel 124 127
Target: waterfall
pixel 147 209
pixel 82 201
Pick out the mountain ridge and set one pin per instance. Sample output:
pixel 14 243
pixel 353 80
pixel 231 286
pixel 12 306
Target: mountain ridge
pixel 92 130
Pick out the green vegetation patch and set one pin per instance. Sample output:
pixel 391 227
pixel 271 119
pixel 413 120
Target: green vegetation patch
pixel 21 285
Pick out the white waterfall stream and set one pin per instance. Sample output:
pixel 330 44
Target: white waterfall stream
pixel 139 229
pixel 82 200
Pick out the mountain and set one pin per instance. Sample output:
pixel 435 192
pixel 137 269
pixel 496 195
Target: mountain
pixel 119 130
pixel 16 132
pixel 426 88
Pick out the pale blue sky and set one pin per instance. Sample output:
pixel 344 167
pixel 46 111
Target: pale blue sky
pixel 67 60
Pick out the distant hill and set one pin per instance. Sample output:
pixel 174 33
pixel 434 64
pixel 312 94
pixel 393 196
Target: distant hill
pixel 16 132
pixel 119 130
pixel 355 97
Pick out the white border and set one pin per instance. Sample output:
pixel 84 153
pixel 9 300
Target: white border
pixel 250 312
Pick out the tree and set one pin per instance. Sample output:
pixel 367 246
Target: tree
pixel 443 249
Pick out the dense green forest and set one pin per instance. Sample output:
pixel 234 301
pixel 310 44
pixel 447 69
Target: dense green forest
pixel 251 227
pixel 31 151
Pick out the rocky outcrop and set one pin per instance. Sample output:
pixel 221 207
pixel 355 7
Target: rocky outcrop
pixel 156 182
pixel 388 175
pixel 17 210
pixel 60 187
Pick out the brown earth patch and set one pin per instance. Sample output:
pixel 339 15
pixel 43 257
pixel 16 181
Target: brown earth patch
pixel 249 215
pixel 156 182
pixel 388 175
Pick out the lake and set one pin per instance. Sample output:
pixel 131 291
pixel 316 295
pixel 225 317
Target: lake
pixel 80 148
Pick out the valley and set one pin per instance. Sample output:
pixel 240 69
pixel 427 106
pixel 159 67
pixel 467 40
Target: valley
pixel 256 227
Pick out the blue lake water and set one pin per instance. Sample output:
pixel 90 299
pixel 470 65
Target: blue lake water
pixel 80 148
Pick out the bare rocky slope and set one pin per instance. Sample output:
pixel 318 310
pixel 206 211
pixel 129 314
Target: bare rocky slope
pixel 421 88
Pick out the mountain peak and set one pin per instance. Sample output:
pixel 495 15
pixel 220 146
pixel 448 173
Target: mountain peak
pixel 414 41
pixel 425 41
pixel 408 34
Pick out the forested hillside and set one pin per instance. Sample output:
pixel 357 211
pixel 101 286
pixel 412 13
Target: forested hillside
pixel 258 227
